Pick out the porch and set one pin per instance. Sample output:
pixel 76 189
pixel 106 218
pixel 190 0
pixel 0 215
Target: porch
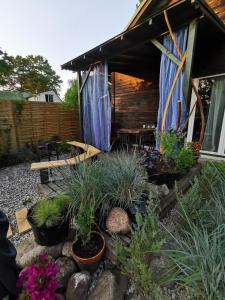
pixel 134 57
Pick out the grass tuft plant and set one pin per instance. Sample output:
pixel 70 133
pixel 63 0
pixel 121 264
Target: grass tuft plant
pixel 50 212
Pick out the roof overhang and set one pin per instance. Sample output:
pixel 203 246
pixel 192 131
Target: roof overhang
pixel 133 46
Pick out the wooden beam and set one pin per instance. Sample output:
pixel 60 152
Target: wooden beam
pixel 165 51
pixel 80 102
pixel 193 27
pixel 86 78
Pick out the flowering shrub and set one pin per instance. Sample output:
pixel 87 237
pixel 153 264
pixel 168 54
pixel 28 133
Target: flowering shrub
pixel 38 281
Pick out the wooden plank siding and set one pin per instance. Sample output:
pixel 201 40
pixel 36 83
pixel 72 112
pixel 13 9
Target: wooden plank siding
pixel 37 122
pixel 135 101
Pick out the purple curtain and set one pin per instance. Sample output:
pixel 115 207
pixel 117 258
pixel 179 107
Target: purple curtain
pixel 97 109
pixel 168 70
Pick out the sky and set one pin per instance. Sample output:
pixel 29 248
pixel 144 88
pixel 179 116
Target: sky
pixel 60 30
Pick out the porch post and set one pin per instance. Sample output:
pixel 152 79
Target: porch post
pixel 80 102
pixel 193 26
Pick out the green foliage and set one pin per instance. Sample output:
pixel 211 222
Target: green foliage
pixel 50 212
pixel 172 144
pixel 146 241
pixel 85 219
pixel 113 180
pixel 71 96
pixel 185 158
pixel 124 179
pixel 198 253
pixel 31 73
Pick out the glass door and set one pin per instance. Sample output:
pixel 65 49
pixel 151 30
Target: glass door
pixel 212 92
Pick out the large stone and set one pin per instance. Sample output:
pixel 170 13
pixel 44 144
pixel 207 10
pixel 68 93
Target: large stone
pixel 110 286
pixel 78 286
pixel 67 249
pixel 66 268
pixel 28 250
pixel 118 221
pixel 159 190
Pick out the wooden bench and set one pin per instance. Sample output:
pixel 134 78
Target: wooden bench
pixel 89 152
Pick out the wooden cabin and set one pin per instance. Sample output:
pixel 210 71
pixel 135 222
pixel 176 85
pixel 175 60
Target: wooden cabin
pixel 134 58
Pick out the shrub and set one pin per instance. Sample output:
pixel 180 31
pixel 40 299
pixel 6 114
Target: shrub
pixel 198 261
pixel 38 280
pixel 146 241
pixel 50 212
pixel 199 239
pixel 113 180
pixel 125 179
pixel 173 147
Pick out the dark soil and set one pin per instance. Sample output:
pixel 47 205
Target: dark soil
pixel 91 249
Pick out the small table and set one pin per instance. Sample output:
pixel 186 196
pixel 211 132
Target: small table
pixel 138 132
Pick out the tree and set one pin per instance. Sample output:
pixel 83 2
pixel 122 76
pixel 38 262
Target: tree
pixel 31 74
pixel 139 2
pixel 71 96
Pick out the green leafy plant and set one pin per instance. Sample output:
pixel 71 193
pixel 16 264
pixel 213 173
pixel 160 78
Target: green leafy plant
pixel 146 241
pixel 50 212
pixel 85 220
pixel 199 239
pixel 173 147
pixel 198 261
pixel 124 179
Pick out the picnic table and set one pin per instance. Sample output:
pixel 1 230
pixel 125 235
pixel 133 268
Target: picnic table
pixel 125 134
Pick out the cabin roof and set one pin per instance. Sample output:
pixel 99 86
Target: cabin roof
pixel 132 49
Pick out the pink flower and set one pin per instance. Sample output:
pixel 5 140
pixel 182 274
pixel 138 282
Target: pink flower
pixel 38 281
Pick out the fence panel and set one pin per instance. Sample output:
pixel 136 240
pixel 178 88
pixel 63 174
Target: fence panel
pixel 34 123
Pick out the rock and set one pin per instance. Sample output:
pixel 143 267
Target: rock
pixel 29 250
pixel 66 250
pixel 118 221
pixel 159 190
pixel 111 286
pixel 67 267
pixel 60 297
pixel 78 285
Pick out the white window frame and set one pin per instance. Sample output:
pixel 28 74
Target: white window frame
pixel 220 154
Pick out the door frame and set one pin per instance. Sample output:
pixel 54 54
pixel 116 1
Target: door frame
pixel 220 154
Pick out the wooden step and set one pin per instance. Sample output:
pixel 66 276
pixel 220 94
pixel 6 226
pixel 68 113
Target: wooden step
pixel 21 218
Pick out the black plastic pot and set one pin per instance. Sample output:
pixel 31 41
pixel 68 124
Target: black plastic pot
pixel 51 236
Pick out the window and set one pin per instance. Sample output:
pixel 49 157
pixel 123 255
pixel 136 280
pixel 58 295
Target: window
pixel 49 98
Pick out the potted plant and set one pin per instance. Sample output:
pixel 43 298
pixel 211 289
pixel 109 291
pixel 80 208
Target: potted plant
pixel 86 192
pixel 49 220
pixel 89 245
pixel 38 280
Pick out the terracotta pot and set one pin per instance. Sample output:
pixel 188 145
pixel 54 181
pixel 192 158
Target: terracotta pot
pixel 89 263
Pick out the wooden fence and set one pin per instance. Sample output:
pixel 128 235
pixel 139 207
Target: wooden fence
pixel 35 122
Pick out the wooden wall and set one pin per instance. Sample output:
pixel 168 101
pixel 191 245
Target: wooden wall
pixel 135 100
pixel 35 122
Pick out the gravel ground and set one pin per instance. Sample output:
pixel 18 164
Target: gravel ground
pixel 18 189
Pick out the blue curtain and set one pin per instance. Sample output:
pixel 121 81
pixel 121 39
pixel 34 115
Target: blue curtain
pixel 97 109
pixel 168 70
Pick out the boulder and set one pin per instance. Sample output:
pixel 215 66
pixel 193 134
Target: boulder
pixel 60 297
pixel 159 190
pixel 111 286
pixel 66 250
pixel 118 221
pixel 78 286
pixel 66 268
pixel 28 250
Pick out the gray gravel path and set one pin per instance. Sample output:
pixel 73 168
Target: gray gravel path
pixel 18 189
